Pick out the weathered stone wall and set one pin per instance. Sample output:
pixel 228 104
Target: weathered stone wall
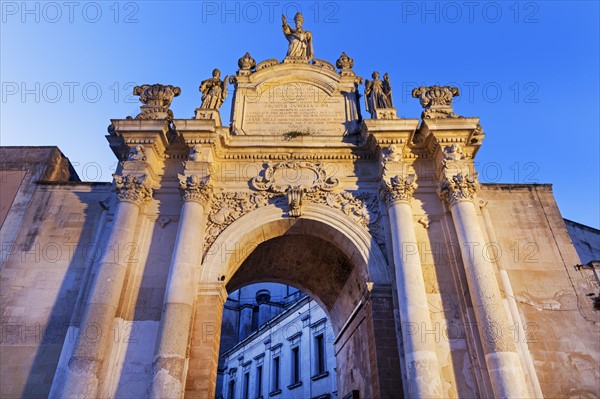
pixel 40 282
pixel 555 318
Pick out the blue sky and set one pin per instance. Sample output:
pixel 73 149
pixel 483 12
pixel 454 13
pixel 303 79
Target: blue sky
pixel 530 71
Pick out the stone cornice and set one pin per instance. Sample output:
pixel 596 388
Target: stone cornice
pixel 133 188
pixel 460 187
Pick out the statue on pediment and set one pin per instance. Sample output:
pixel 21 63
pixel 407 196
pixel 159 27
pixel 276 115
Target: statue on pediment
pixel 214 91
pixel 375 93
pixel 300 40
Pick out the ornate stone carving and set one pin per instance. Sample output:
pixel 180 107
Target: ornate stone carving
pixel 137 153
pixel 282 176
pixel 453 152
pixel 230 206
pixel 437 101
pixel 196 154
pixel 393 155
pixel 227 207
pixel 132 188
pixel 157 100
pixel 344 62
pixel 387 89
pixel 362 207
pixel 399 189
pixel 461 187
pixel 294 196
pixel 246 64
pixel 214 91
pixel 195 188
pixel 300 48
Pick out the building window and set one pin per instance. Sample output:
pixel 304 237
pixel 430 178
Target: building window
pixel 320 360
pixel 246 385
pixel 276 383
pixel 295 364
pixel 259 382
pixel 231 390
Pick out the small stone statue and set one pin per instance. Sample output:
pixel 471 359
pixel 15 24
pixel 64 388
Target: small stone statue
pixel 387 89
pixel 300 39
pixel 375 94
pixel 214 91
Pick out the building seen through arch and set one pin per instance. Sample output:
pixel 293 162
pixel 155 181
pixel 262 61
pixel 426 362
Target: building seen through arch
pixel 435 285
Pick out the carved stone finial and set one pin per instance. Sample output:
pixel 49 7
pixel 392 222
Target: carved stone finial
pixel 214 91
pixel 300 48
pixel 344 62
pixel 295 201
pixel 461 187
pixel 378 97
pixel 194 188
pixel 399 189
pixel 132 188
pixel 436 100
pixel 246 64
pixel 157 100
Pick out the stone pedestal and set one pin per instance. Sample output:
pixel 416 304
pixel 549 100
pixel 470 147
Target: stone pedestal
pixel 210 114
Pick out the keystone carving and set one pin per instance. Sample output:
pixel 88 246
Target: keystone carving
pixel 157 100
pixel 132 188
pixel 437 101
pixel 295 201
pixel 194 188
pixel 461 187
pixel 399 189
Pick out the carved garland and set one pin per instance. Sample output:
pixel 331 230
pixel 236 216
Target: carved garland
pixel 267 181
pixel 362 208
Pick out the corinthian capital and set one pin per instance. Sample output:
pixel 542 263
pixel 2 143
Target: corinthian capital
pixel 399 189
pixel 194 188
pixel 461 187
pixel 132 188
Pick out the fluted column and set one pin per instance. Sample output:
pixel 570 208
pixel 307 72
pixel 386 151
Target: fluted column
pixel 85 365
pixel 168 379
pixel 502 360
pixel 422 366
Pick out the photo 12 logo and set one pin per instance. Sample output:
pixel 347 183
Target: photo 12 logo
pixel 469 12
pixel 268 11
pixel 52 12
